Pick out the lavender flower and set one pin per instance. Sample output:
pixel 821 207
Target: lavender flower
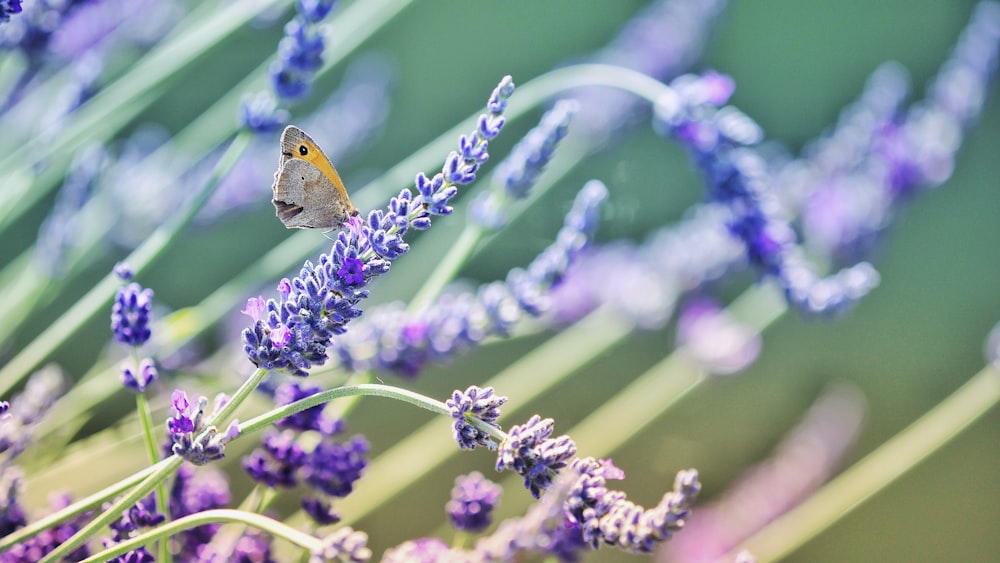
pixel 516 174
pixel 300 56
pixel 344 545
pixel 32 550
pixel 737 178
pixel 313 418
pixel 393 340
pixel 472 502
pixel 192 439
pixel 28 408
pixel 195 490
pixel 278 463
pixel 143 514
pixel 422 549
pixel 294 333
pixel 804 460
pixel 332 468
pixel 8 7
pixel 138 379
pixel 715 340
pixel 530 453
pixel 130 315
pixel 12 515
pixel 484 405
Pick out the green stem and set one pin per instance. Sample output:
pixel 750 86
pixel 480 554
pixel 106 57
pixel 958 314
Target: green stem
pixel 101 294
pixel 110 515
pixel 269 525
pixel 367 389
pixel 117 104
pixel 146 420
pixel 447 269
pixel 878 469
pixel 77 508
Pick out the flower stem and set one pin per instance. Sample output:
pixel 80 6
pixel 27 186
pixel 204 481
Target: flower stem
pixel 101 294
pixel 878 469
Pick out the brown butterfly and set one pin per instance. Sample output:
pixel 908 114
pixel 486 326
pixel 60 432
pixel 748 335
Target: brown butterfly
pixel 308 192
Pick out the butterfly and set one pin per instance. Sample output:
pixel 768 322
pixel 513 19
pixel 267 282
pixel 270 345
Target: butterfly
pixel 308 192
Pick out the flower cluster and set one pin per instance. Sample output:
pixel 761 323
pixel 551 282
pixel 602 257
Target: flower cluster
pixel 329 468
pixel 192 439
pixel 130 319
pixel 8 7
pixel 516 174
pixel 293 333
pixel 397 341
pixel 737 178
pixel 300 56
pixel 472 502
pixel 191 492
pixel 529 452
pixel 142 514
pixel 482 404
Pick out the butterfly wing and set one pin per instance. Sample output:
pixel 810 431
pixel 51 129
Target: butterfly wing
pixel 304 198
pixel 296 144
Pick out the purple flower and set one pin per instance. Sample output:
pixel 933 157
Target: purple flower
pixel 27 409
pixel 333 467
pixel 393 340
pixel 195 490
pixel 530 453
pixel 324 297
pixel 738 179
pixel 138 379
pixel 130 315
pixel 191 439
pixel 261 114
pixel 482 404
pixel 714 339
pixel 312 418
pixel 422 549
pixel 516 174
pixel 345 544
pixel 35 548
pixel 278 463
pixel 472 502
pixel 8 7
pixel 300 56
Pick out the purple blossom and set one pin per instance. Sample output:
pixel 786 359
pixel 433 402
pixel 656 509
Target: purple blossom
pixel 345 544
pixel 472 502
pixel 33 549
pixel 195 490
pixel 482 404
pixel 313 418
pixel 191 439
pixel 324 297
pixel 332 467
pixel 138 379
pixel 26 410
pixel 393 340
pixel 715 340
pixel 421 549
pixel 516 174
pixel 300 56
pixel 530 453
pixel 737 178
pixel 804 460
pixel 279 461
pixel 130 315
pixel 8 7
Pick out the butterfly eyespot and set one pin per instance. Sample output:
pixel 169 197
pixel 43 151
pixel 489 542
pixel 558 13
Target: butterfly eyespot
pixel 303 150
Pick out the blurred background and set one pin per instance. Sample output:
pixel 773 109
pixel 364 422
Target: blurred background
pixel 905 348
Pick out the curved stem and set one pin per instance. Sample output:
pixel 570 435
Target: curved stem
pixel 878 469
pixel 269 525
